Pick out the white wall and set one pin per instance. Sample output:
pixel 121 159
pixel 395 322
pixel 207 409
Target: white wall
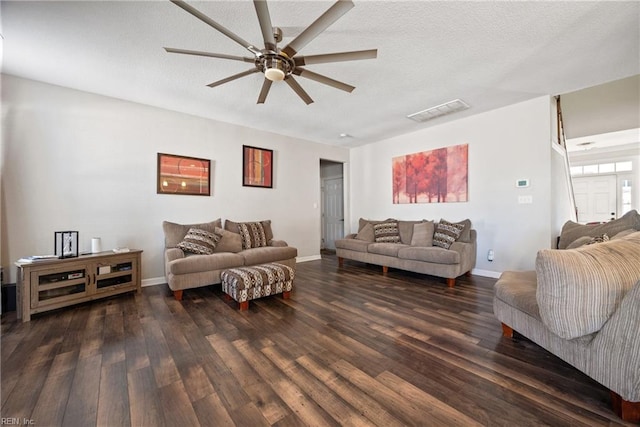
pixel 79 161
pixel 504 145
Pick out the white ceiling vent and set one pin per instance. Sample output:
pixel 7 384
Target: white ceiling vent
pixel 439 110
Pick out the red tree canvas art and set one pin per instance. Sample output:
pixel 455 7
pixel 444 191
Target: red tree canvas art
pixel 436 176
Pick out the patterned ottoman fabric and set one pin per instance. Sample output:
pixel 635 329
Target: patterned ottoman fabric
pixel 248 283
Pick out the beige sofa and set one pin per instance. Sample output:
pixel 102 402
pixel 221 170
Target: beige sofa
pixel 413 248
pixel 583 305
pixel 185 270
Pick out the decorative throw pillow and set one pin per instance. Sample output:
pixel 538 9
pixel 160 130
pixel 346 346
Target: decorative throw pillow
pixel 386 232
pixel 446 233
pixel 423 234
pixel 572 230
pixel 266 224
pixel 366 233
pixel 252 234
pixel 174 233
pixel 199 241
pixel 598 239
pixel 229 242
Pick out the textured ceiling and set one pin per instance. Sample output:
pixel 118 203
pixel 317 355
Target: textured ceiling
pixel 489 54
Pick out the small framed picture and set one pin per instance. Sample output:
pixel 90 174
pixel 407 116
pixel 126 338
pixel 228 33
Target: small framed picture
pixel 183 175
pixel 66 244
pixel 257 167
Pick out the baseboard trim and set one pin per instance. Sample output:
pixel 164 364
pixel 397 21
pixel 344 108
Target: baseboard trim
pixel 486 273
pixel 308 258
pixel 153 281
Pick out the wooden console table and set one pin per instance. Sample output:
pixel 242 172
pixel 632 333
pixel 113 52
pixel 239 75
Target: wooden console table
pixel 54 283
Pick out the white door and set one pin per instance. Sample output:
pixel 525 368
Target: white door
pixel 595 198
pixel 333 212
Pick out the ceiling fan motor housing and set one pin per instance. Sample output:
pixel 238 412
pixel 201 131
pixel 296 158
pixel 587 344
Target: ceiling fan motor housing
pixel 275 67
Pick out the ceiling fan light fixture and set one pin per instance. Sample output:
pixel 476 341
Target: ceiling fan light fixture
pixel 275 70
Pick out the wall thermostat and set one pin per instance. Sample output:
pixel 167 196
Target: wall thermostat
pixel 522 183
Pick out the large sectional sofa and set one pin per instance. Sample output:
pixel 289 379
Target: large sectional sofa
pixel 235 247
pixel 415 246
pixel 582 303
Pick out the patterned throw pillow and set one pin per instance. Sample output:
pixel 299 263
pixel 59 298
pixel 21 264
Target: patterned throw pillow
pixel 598 239
pixel 253 235
pixel 199 241
pixel 386 232
pixel 446 233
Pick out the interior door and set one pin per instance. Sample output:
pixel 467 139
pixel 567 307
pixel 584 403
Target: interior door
pixel 333 213
pixel 595 198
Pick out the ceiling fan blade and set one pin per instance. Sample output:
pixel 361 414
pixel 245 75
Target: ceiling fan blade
pixel 323 79
pixel 265 24
pixel 336 57
pixel 212 55
pixel 231 78
pixel 293 84
pixel 265 91
pixel 204 18
pixel 318 26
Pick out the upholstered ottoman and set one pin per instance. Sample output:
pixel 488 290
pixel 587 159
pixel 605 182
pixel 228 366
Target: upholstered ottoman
pixel 246 283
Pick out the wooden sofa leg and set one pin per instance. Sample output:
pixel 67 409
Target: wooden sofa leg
pixel 177 295
pixel 243 306
pixel 507 331
pixel 385 269
pixel 451 282
pixel 340 262
pixel 628 411
pixel 286 294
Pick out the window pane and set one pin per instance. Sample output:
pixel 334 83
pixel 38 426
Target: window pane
pixel 576 170
pixel 623 166
pixel 607 167
pixel 591 169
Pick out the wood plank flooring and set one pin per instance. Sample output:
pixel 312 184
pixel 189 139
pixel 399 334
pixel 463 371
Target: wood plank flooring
pixel 351 347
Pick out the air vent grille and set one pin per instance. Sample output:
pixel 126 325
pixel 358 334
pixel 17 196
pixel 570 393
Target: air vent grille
pixel 439 110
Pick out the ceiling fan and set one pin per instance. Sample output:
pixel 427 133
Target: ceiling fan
pixel 281 64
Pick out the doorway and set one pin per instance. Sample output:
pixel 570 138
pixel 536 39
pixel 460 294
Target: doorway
pixel 596 199
pixel 332 203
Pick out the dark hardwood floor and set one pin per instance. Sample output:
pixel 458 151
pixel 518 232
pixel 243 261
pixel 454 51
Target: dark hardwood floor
pixel 351 347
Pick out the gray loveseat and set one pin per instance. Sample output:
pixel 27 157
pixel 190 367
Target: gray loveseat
pixel 412 247
pixel 185 270
pixel 583 305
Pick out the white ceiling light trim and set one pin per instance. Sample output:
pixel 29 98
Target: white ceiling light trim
pixel 439 110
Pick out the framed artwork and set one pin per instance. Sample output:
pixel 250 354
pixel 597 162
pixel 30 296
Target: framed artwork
pixel 435 176
pixel 257 167
pixel 183 175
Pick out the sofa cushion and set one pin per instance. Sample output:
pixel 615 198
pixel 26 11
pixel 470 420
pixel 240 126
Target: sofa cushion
pixel 199 241
pixel 423 234
pixel 266 224
pixel 200 263
pixel 465 235
pixel 388 249
pixel 352 245
pixel 366 233
pixel 406 231
pixel 579 289
pixel 230 242
pixel 518 289
pixel 252 234
pixel 433 254
pixel 386 232
pixel 174 233
pixel 267 254
pixel 362 222
pixel 446 233
pixel 572 230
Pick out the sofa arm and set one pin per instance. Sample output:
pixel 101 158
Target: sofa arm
pixel 617 347
pixel 278 243
pixel 467 253
pixel 171 254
